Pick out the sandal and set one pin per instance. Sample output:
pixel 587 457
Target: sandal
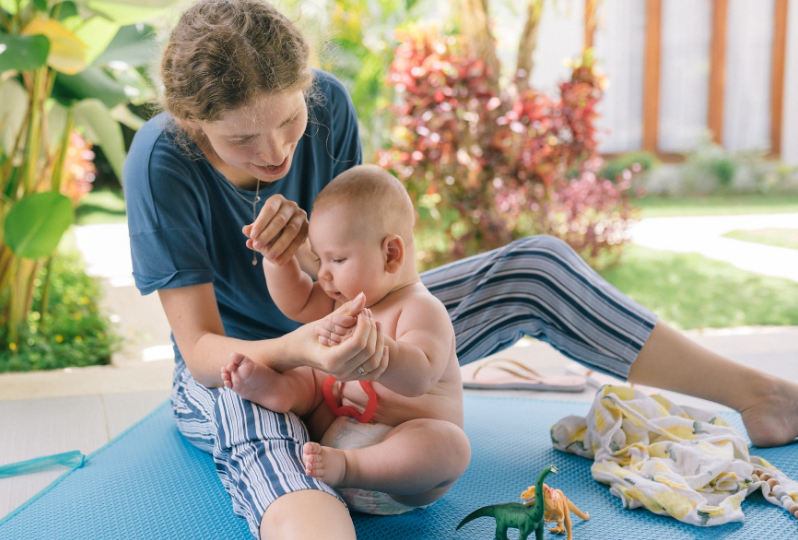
pixel 507 374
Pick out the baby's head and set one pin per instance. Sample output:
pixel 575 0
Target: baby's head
pixel 361 228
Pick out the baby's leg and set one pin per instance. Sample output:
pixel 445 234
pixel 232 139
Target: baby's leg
pixel 416 463
pixel 293 391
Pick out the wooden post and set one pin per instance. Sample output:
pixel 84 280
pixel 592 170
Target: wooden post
pixel 591 21
pixel 780 11
pixel 651 74
pixel 717 70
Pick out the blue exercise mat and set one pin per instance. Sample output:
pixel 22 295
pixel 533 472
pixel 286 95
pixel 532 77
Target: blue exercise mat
pixel 150 483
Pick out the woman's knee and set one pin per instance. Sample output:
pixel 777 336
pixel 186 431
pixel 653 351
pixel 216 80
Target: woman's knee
pixel 545 242
pixel 288 518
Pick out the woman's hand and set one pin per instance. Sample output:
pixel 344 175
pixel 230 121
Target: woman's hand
pixel 364 347
pixel 338 326
pixel 279 230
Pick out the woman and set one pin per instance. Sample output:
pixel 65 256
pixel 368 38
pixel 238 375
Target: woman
pixel 249 137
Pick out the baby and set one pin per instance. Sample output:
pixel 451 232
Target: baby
pixel 361 234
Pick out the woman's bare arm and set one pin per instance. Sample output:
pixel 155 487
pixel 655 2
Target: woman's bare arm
pixel 199 333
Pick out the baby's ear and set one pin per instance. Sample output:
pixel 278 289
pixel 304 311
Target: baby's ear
pixel 393 250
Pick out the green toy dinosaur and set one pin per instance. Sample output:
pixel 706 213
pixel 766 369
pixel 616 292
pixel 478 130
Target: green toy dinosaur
pixel 516 515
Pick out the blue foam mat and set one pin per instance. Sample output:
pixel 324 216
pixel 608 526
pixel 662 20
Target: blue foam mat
pixel 150 483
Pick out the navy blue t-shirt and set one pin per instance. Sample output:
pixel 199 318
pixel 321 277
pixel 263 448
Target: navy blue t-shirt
pixel 185 219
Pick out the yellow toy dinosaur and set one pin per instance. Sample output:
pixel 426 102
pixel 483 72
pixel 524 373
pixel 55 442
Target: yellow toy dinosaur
pixel 557 508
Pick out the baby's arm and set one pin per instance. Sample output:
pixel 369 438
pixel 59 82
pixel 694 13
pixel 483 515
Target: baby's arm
pixel 295 293
pixel 423 347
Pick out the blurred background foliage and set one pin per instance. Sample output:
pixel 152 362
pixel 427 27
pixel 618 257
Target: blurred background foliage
pixel 69 71
pixel 486 157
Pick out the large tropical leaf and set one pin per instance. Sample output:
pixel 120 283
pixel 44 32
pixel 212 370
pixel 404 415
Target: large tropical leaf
pixel 13 104
pixel 67 51
pixel 23 53
pixel 92 82
pixel 134 45
pixel 36 223
pixel 56 123
pixel 100 128
pixel 124 12
pixel 96 33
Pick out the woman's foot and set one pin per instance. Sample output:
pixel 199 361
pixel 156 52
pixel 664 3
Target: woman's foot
pixel 325 463
pixel 256 383
pixel 771 419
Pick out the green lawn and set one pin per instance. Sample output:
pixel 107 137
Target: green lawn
pixel 717 205
pixel 787 238
pixel 691 291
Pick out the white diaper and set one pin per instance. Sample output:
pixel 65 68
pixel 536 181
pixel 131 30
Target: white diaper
pixel 347 433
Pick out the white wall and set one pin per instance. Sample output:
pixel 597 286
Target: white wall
pixel 749 62
pixel 684 73
pixel 619 44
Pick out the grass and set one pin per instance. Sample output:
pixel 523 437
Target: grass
pixel 717 205
pixel 690 291
pixel 101 206
pixel 787 238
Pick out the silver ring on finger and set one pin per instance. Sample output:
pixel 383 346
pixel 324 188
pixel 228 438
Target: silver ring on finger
pixel 362 372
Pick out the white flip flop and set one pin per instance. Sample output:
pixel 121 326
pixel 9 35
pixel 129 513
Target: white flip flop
pixel 507 374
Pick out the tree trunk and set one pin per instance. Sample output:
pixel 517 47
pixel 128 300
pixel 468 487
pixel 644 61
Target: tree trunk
pixel 591 22
pixel 527 44
pixel 477 36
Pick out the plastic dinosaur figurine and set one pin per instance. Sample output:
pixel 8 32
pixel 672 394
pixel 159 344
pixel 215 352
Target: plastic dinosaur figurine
pixel 525 518
pixel 557 507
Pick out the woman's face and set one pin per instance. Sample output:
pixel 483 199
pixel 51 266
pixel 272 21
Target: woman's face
pixel 258 141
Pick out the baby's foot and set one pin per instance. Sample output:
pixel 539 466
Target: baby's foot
pixel 772 420
pixel 255 382
pixel 325 463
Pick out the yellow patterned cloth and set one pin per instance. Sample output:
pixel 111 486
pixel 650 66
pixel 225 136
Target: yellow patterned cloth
pixel 673 460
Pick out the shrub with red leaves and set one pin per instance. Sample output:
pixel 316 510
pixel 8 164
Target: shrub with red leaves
pixel 484 168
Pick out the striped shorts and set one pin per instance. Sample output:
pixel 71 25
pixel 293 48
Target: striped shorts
pixel 536 286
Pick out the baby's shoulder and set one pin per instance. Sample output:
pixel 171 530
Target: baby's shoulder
pixel 421 307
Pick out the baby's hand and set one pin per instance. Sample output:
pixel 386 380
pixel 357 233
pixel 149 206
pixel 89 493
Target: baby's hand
pixel 338 327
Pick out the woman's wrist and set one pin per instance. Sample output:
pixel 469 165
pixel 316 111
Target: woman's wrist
pixel 290 350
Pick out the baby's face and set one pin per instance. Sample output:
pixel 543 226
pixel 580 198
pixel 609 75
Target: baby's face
pixel 350 255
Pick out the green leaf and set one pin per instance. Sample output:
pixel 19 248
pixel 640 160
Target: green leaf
pixel 56 123
pixel 133 44
pixel 65 10
pixel 101 129
pixel 23 53
pixel 36 223
pixel 92 82
pixel 11 6
pixel 131 11
pixel 41 5
pixel 13 104
pixel 96 33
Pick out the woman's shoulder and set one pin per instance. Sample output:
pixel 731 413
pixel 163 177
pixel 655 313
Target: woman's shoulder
pixel 330 96
pixel 157 144
pixel 328 84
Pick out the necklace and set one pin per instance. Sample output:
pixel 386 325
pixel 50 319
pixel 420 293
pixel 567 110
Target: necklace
pixel 253 202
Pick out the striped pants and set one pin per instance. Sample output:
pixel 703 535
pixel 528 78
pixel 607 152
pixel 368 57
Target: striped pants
pixel 536 286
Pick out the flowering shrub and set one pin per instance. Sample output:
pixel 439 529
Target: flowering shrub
pixel 485 167
pixel 79 169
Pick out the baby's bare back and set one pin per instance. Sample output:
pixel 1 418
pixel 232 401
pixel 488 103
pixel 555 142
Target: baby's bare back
pixel 445 400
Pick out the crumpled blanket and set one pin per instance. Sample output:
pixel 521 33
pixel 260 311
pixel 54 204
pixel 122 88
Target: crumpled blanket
pixel 673 460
